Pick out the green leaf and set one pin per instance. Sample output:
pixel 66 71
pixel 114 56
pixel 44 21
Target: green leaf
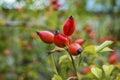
pixel 52 63
pixel 103 45
pixel 63 58
pixel 108 69
pixel 90 50
pixel 118 77
pixel 106 49
pixel 97 72
pixel 56 77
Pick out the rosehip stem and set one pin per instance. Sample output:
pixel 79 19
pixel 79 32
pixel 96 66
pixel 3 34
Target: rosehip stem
pixel 73 63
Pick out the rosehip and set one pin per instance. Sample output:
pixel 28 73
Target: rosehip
pixel 69 39
pixel 74 49
pixel 56 6
pixel 111 38
pixel 91 34
pixel 88 29
pixel 53 1
pixel 46 36
pixel 102 39
pixel 80 41
pixel 6 52
pixel 69 26
pixel 60 40
pixel 112 59
pixel 86 70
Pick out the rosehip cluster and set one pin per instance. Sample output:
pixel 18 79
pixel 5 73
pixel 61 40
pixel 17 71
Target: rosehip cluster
pixel 63 40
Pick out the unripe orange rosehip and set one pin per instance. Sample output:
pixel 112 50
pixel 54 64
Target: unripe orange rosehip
pixel 80 41
pixel 60 40
pixel 69 26
pixel 46 36
pixel 74 49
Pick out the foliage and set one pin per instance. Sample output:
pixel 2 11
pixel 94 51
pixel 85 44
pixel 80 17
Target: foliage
pixel 23 56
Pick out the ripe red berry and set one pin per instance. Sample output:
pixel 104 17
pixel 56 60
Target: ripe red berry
pixel 60 40
pixel 102 39
pixel 80 41
pixel 69 39
pixel 53 1
pixel 46 36
pixel 86 70
pixel 74 49
pixel 88 29
pixel 56 6
pixel 92 35
pixel 6 52
pixel 112 58
pixel 69 26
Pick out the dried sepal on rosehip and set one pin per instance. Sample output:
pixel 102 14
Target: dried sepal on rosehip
pixel 69 26
pixel 74 49
pixel 60 40
pixel 46 36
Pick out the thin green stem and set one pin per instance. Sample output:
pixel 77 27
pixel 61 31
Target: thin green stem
pixel 73 63
pixel 81 57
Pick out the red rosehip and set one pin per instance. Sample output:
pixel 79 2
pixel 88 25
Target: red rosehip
pixel 112 58
pixel 80 41
pixel 69 26
pixel 86 70
pixel 60 40
pixel 53 1
pixel 102 39
pixel 69 39
pixel 46 36
pixel 91 34
pixel 74 49
pixel 56 6
pixel 88 29
pixel 111 38
pixel 6 52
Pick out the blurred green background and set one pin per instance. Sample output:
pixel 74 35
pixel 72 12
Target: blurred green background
pixel 23 56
